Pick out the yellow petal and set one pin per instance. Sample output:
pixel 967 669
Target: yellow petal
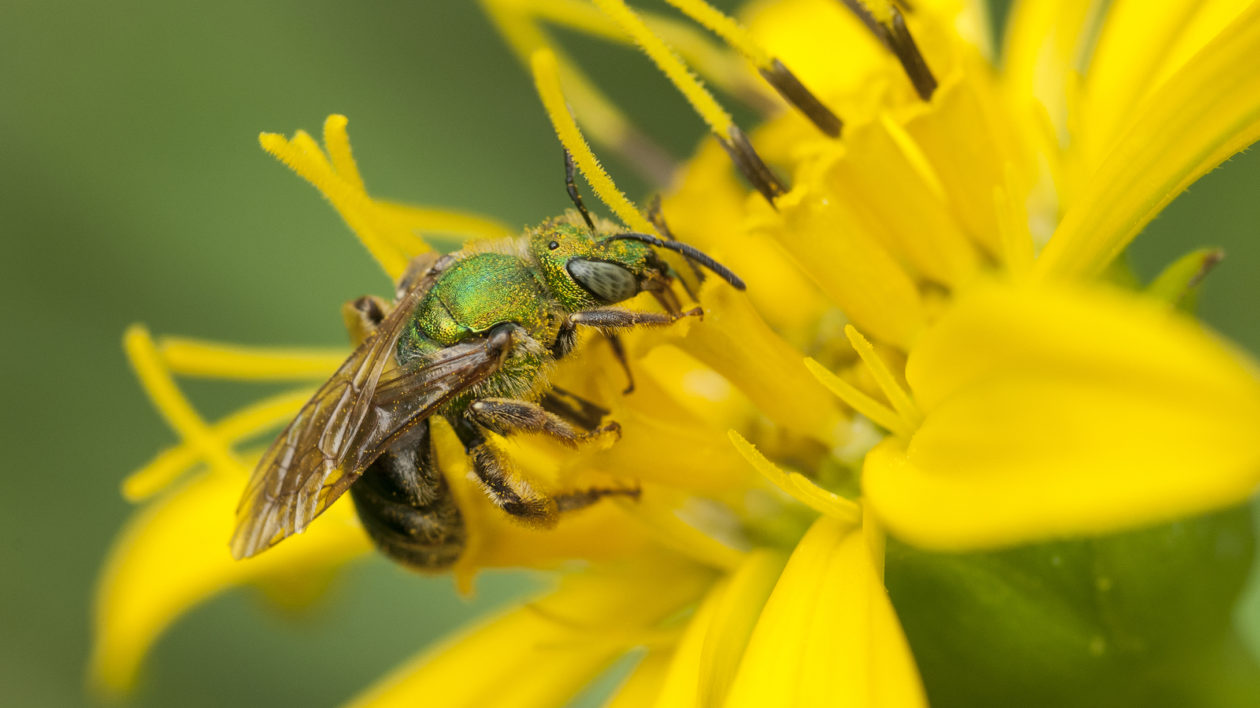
pixel 1206 112
pixel 1139 46
pixel 735 341
pixel 174 555
pixel 706 657
pixel 733 618
pixel 828 635
pixel 1045 40
pixel 828 241
pixel 969 138
pixel 903 200
pixel 1054 410
pixel 543 653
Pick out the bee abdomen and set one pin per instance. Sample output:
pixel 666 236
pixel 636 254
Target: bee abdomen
pixel 407 509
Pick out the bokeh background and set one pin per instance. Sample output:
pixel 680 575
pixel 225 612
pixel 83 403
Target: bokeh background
pixel 132 188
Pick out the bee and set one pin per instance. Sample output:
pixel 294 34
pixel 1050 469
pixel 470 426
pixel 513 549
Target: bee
pixel 470 338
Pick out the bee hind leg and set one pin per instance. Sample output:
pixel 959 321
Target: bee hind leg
pixel 506 416
pixel 513 496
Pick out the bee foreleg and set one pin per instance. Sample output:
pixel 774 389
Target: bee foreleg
pixel 513 496
pixel 616 319
pixel 504 416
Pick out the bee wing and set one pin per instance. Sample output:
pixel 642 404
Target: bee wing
pixel 350 420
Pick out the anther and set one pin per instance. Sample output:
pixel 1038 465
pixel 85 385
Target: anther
pixel 718 120
pixel 795 93
pixel 895 35
pixel 751 165
pixel 770 68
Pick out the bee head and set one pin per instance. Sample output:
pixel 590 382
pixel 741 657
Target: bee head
pixel 588 270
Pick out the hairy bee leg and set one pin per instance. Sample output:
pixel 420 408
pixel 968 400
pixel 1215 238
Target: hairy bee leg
pixel 512 496
pixel 619 352
pixel 573 408
pixel 574 195
pixel 505 416
pixel 613 319
pixel 570 501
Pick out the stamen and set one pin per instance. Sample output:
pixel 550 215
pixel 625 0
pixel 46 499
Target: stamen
pixel 516 20
pixel 718 120
pixel 337 142
pixel 243 424
pixel 390 231
pixel 749 163
pixel 877 412
pixel 888 25
pixel 547 81
pixel 797 485
pixel 170 401
pixel 770 68
pixel 194 357
pixel 303 156
pixel 427 220
pixel 711 61
pixel 897 396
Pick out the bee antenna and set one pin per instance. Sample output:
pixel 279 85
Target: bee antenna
pixel 688 252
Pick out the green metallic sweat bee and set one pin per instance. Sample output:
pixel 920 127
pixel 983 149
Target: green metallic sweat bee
pixel 469 339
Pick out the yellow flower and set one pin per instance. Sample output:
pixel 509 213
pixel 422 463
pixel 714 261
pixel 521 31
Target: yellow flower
pixel 928 237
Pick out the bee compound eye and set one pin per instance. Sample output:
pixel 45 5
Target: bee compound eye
pixel 553 245
pixel 607 281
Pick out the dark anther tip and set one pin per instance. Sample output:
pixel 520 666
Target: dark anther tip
pixel 751 165
pixel 795 93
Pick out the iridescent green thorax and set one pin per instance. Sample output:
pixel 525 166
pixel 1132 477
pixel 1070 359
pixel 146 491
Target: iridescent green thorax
pixel 478 292
pixel 572 239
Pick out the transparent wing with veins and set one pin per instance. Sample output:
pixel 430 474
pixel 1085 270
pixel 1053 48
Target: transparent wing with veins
pixel 351 420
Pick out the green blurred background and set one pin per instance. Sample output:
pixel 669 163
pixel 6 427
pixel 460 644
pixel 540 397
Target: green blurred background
pixel 132 188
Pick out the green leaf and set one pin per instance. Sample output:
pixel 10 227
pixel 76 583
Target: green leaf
pixel 1080 622
pixel 1179 283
